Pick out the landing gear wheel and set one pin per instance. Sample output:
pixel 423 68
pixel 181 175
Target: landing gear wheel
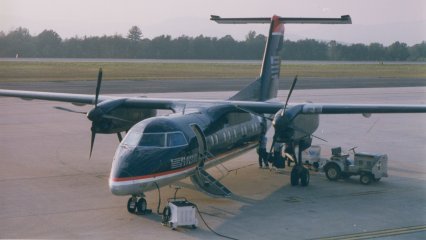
pixel 294 176
pixel 304 177
pixel 141 206
pixel 166 214
pixel 366 178
pixel 131 205
pixel 332 172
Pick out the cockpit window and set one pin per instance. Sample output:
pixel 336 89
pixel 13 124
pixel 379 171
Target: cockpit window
pixel 171 139
pixel 175 139
pixel 153 140
pixel 132 138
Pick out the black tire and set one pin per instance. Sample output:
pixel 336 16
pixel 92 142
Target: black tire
pixel 366 178
pixel 377 179
pixel 141 206
pixel 294 176
pixel 166 214
pixel 304 177
pixel 332 171
pixel 131 205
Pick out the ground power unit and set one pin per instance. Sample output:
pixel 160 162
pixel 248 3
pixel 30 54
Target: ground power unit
pixel 180 212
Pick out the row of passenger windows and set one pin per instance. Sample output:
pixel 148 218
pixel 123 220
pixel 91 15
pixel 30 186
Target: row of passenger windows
pixel 232 133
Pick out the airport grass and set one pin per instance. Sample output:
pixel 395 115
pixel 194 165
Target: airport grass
pixel 11 71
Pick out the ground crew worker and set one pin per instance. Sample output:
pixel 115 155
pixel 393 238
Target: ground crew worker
pixel 278 161
pixel 263 155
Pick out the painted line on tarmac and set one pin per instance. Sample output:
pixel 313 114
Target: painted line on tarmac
pixel 377 234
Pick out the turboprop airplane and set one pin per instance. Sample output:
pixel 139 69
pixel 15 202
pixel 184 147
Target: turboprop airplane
pixel 159 150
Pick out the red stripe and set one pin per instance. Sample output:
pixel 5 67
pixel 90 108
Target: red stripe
pixel 151 175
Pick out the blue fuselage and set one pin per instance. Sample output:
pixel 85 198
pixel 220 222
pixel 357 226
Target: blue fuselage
pixel 161 150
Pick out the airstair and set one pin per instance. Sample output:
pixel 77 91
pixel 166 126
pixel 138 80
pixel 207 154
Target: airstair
pixel 207 183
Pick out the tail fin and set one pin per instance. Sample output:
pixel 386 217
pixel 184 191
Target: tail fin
pixel 266 86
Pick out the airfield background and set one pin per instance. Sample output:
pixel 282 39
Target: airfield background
pixel 20 43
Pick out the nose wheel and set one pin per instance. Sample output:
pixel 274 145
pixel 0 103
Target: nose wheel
pixel 137 205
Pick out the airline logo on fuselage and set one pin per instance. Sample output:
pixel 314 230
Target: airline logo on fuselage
pixel 183 161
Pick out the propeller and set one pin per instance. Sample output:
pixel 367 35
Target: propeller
pixel 283 110
pixel 94 113
pixel 289 94
pixel 69 110
pixel 99 113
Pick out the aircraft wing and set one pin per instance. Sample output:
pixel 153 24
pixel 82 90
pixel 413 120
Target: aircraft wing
pixel 317 108
pixel 251 106
pixel 141 102
pixel 83 99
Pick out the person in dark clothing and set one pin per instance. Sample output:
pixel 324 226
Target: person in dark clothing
pixel 278 160
pixel 263 155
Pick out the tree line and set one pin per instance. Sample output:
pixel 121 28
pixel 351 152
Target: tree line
pixel 48 44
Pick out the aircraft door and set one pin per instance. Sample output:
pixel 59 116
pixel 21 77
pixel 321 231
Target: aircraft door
pixel 202 146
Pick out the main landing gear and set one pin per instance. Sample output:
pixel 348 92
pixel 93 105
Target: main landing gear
pixel 137 205
pixel 299 173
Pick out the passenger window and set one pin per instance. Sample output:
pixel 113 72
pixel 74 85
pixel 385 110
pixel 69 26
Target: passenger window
pixel 153 140
pixel 176 139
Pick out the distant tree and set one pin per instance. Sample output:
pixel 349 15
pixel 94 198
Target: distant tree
pixel 18 42
pixel 135 33
pixel 254 46
pixel 251 35
pixel 376 52
pixel 418 52
pixel 48 44
pixel 398 51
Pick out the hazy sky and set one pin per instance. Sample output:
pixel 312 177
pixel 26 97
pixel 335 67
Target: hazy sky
pixel 384 21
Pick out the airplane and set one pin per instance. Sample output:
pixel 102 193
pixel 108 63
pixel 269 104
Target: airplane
pixel 198 134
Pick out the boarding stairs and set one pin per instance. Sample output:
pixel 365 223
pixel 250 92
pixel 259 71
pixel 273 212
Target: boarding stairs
pixel 207 183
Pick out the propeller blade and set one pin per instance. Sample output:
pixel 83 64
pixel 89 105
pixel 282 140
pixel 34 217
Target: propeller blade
pixel 120 137
pixel 98 87
pixel 92 141
pixel 291 90
pixel 69 110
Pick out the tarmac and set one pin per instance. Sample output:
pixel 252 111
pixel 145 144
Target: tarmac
pixel 50 189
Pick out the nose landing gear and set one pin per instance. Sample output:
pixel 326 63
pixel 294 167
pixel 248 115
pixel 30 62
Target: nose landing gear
pixel 299 172
pixel 137 205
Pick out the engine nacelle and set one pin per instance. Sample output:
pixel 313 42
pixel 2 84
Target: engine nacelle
pixel 113 117
pixel 291 126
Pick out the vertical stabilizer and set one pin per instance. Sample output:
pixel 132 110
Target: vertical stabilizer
pixel 266 86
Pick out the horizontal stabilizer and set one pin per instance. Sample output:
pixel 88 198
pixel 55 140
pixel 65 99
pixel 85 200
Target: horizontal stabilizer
pixel 346 19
